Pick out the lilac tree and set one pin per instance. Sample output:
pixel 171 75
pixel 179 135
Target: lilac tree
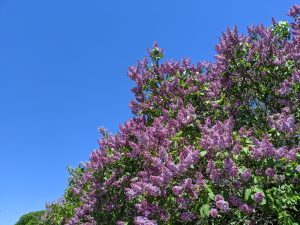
pixel 209 143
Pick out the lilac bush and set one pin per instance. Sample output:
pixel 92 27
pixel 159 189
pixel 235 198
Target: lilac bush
pixel 209 143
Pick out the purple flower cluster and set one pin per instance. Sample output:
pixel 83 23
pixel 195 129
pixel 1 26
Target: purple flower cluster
pixel 284 121
pixel 221 203
pixel 140 220
pixel 230 167
pixel 258 197
pixel 270 172
pixel 246 175
pixel 213 213
pixel 199 132
pixel 245 208
pixel 218 136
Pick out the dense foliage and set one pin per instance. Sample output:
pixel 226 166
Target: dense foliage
pixel 211 143
pixel 32 218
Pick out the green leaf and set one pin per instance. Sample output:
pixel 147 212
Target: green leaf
pixel 257 189
pixel 263 202
pixel 211 195
pixel 204 210
pixel 245 150
pixel 247 193
pixel 248 141
pixel 203 153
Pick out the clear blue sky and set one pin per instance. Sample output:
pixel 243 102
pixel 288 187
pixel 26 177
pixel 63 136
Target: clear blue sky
pixel 63 67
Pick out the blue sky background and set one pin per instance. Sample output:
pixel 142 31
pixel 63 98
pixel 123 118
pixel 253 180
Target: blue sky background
pixel 63 67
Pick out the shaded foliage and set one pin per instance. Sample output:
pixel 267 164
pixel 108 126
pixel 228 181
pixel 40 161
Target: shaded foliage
pixel 32 218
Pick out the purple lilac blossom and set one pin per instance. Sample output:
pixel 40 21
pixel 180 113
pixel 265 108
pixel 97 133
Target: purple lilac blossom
pixel 270 172
pixel 223 205
pixel 246 175
pixel 258 197
pixel 169 122
pixel 213 213
pixel 245 208
pixel 141 220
